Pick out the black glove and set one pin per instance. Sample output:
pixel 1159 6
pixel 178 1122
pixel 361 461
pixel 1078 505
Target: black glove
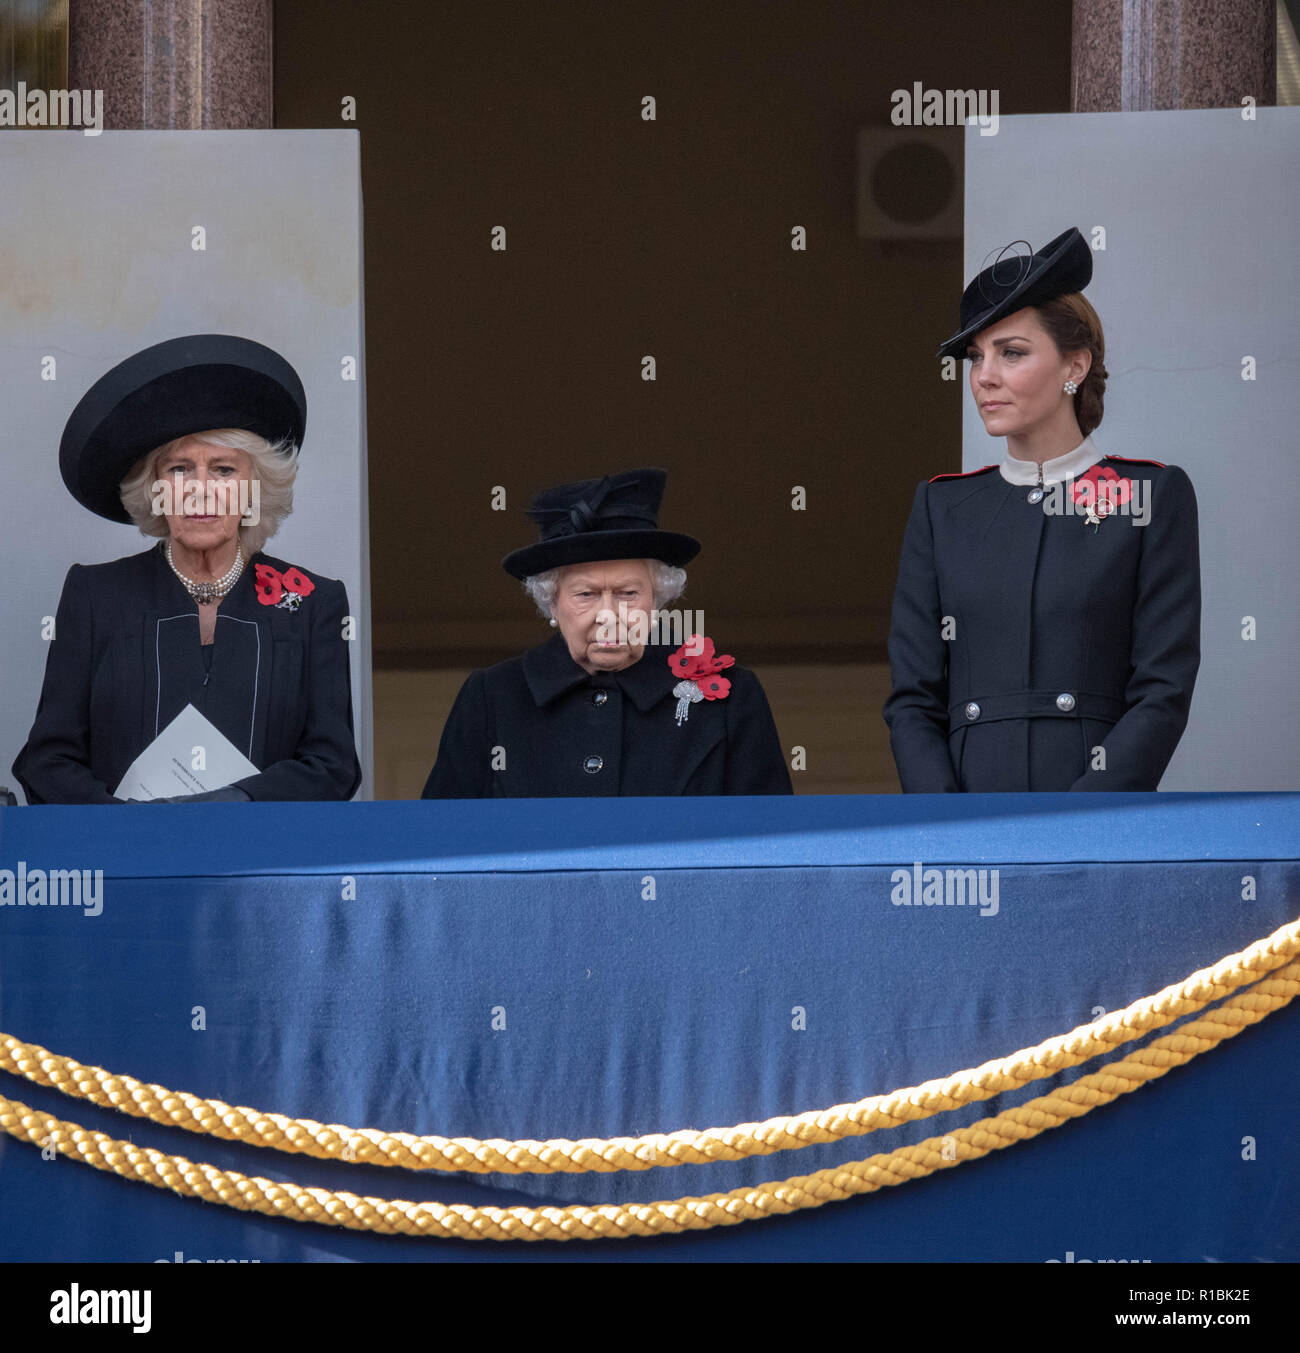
pixel 230 794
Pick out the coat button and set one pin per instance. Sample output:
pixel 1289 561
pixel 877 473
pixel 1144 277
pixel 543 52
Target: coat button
pixel 599 697
pixel 1065 702
pixel 592 764
pixel 972 710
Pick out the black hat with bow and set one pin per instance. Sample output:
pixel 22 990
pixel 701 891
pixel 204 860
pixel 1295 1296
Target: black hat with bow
pixel 170 390
pixel 616 517
pixel 1013 281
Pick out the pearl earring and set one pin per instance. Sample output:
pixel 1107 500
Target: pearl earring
pixel 1070 387
pixel 554 623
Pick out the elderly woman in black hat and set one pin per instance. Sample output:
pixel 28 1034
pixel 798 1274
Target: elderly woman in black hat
pixel 602 708
pixel 193 441
pixel 1046 620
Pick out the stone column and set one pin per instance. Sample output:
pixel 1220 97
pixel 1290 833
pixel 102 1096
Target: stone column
pixel 1129 55
pixel 177 64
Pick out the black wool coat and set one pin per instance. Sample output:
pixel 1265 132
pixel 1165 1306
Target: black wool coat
pixel 126 659
pixel 539 726
pixel 1062 637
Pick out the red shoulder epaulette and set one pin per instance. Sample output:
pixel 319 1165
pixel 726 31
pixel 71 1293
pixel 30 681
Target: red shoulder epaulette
pixel 1134 460
pixel 963 474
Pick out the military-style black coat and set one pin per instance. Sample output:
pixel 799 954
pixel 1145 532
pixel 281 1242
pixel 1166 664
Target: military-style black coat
pixel 126 659
pixel 539 726
pixel 1060 637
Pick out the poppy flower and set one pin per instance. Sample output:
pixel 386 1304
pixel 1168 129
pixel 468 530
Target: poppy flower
pixel 269 586
pixel 697 657
pixel 713 687
pixel 295 580
pixel 1113 492
pixel 1100 485
pixel 693 657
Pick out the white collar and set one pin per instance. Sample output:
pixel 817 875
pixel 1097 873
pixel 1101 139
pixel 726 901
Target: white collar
pixel 1069 466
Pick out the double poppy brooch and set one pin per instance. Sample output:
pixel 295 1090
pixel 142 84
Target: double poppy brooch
pixel 285 590
pixel 1101 491
pixel 697 664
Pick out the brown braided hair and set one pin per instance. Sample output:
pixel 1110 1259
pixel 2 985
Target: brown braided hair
pixel 1072 323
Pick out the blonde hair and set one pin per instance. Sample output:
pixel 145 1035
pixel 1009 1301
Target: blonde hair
pixel 275 467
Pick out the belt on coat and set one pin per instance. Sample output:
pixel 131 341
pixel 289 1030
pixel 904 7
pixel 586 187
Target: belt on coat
pixel 1054 704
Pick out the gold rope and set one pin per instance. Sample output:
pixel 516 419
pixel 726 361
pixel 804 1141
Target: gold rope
pixel 610 1221
pixel 373 1146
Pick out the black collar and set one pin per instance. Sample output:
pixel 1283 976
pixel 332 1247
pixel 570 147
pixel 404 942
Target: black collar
pixel 550 672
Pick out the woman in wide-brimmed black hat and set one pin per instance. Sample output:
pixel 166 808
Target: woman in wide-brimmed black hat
pixel 1046 620
pixel 615 703
pixel 194 441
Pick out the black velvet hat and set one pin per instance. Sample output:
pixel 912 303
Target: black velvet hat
pixel 1014 281
pixel 170 390
pixel 616 517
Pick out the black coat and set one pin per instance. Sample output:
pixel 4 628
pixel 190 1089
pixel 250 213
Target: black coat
pixel 126 659
pixel 1067 637
pixel 564 733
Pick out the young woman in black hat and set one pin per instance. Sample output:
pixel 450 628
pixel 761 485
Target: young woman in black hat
pixel 194 441
pixel 1046 621
pixel 603 708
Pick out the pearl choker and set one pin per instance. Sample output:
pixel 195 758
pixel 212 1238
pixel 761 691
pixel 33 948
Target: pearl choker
pixel 204 593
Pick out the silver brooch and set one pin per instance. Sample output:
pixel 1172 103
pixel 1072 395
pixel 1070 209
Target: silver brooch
pixel 688 694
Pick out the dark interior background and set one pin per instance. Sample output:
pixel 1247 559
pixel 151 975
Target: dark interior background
pixel 672 238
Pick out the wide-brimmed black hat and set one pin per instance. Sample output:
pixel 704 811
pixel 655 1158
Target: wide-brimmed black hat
pixel 616 517
pixel 170 390
pixel 1014 281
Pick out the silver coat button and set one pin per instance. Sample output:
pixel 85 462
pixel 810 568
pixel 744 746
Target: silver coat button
pixel 592 764
pixel 1065 702
pixel 972 710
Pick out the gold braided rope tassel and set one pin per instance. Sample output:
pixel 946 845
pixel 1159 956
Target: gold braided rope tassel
pixel 613 1221
pixel 373 1146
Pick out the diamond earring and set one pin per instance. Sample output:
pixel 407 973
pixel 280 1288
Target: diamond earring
pixel 1070 387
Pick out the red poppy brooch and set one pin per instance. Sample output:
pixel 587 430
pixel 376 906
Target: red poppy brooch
pixel 285 590
pixel 698 665
pixel 1101 491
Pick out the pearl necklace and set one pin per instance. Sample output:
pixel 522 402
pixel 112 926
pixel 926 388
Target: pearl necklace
pixel 204 593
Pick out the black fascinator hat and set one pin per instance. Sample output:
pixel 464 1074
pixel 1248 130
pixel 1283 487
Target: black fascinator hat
pixel 170 390
pixel 616 517
pixel 1013 281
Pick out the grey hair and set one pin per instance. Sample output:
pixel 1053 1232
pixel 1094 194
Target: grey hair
pixel 275 467
pixel 667 581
